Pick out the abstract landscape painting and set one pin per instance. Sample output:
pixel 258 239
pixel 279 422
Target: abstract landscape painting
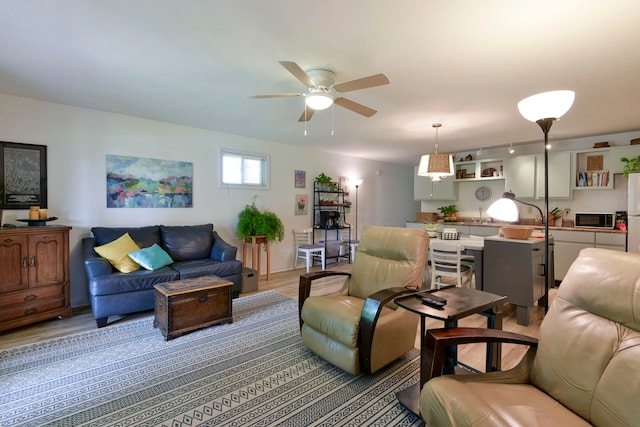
pixel 136 182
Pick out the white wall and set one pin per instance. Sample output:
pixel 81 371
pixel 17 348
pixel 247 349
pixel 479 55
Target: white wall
pixel 79 139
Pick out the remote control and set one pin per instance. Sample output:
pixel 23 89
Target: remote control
pixel 436 298
pixel 433 303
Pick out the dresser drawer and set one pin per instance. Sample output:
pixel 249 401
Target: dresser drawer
pixel 31 296
pixel 34 309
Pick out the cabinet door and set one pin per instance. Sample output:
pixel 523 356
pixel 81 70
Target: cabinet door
pixel 520 176
pixel 46 259
pixel 559 175
pixel 14 263
pixel 425 189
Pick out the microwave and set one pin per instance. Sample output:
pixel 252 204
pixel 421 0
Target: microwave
pixel 595 219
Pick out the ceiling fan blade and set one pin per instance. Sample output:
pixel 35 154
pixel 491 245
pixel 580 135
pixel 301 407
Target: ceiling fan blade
pixel 298 73
pixel 363 83
pixel 355 107
pixel 306 114
pixel 277 95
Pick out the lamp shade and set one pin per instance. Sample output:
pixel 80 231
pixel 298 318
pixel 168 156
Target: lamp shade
pixel 546 105
pixel 504 210
pixel 436 165
pixel 357 182
pixel 318 101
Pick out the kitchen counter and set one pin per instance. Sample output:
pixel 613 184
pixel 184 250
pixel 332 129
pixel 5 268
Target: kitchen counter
pixel 535 227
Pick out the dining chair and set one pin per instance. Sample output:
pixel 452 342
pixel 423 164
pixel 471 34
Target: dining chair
pixel 306 249
pixel 447 261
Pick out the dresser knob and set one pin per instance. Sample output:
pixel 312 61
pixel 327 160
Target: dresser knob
pixel 30 297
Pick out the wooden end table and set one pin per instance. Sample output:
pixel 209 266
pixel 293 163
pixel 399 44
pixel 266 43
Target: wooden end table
pixel 186 305
pixel 461 302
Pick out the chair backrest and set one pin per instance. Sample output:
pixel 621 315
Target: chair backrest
pixel 388 257
pixel 588 355
pixel 446 261
pixel 302 236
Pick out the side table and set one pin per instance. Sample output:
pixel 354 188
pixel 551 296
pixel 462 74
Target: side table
pixel 256 243
pixel 461 302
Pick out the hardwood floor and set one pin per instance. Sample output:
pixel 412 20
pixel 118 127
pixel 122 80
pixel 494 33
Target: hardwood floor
pixel 286 283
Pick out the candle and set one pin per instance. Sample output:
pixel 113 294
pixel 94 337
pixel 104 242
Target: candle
pixel 43 214
pixel 34 212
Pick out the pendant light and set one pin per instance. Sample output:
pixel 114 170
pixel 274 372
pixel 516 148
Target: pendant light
pixel 436 166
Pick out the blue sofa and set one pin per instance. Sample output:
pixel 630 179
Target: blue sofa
pixel 197 250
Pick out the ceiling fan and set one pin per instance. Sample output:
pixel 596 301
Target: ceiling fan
pixel 323 90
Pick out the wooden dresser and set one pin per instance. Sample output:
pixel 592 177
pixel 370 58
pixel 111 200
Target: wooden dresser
pixel 34 275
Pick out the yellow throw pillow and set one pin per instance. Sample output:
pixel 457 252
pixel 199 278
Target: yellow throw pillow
pixel 117 253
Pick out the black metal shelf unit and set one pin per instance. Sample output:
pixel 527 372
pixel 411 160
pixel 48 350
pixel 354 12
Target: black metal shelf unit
pixel 329 219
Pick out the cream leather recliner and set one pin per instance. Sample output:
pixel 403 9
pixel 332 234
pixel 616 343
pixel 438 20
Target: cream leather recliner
pixel 585 370
pixel 360 330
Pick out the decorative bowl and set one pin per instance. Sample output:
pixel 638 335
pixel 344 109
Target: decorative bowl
pixel 517 233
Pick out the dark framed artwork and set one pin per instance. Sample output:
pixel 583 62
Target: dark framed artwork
pixel 23 175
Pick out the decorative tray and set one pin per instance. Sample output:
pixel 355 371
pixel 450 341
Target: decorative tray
pixel 36 222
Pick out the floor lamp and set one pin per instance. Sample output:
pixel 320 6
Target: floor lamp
pixel 357 182
pixel 544 109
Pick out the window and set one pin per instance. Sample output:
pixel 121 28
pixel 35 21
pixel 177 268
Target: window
pixel 247 170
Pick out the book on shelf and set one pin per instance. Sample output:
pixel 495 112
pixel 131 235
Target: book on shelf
pixel 592 179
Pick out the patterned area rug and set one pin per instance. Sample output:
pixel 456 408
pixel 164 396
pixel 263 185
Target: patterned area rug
pixel 253 372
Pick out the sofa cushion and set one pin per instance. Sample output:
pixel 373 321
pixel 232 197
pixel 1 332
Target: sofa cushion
pixel 207 267
pixel 151 258
pixel 143 236
pixel 117 253
pixel 118 283
pixel 186 243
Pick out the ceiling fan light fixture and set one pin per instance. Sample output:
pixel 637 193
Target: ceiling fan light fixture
pixel 319 100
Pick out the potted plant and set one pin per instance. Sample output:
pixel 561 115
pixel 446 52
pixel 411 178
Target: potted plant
pixel 325 182
pixel 631 165
pixel 253 222
pixel 449 213
pixel 432 229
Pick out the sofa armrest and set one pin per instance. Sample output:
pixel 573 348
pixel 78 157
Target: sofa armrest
pixel 221 250
pixel 373 305
pixel 94 265
pixel 438 341
pixel 304 288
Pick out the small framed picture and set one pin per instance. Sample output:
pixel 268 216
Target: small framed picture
pixel 301 204
pixel 300 178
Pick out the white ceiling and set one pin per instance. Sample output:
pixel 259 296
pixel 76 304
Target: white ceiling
pixel 463 63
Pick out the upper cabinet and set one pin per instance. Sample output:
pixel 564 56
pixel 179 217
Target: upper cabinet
pixel 479 170
pixel 559 175
pixel 518 174
pixel 591 169
pixel 524 175
pixel 628 151
pixel 425 189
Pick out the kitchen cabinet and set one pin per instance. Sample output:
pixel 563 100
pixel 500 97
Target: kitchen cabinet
pixel 628 151
pixel 479 170
pixel 34 284
pixel 425 189
pixel 519 171
pixel 477 230
pixel 518 174
pixel 568 245
pixel 559 175
pixel 515 268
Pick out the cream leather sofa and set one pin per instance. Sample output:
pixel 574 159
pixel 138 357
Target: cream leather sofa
pixel 585 370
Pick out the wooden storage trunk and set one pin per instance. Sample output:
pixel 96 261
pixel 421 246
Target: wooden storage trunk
pixel 187 305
